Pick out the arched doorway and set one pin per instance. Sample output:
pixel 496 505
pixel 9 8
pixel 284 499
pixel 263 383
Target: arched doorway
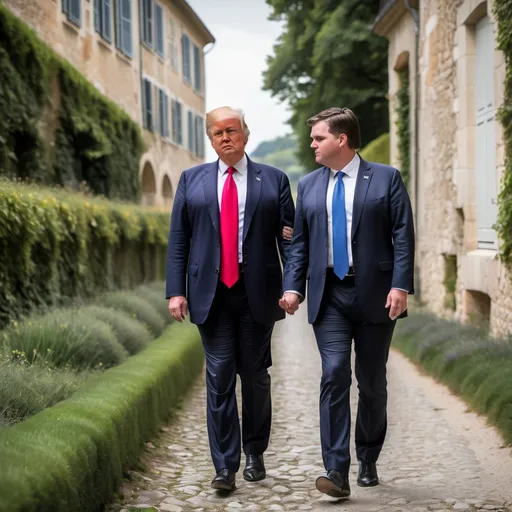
pixel 148 185
pixel 167 192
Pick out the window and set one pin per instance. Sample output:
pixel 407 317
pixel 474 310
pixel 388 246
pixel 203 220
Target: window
pixel 197 69
pixel 159 29
pixel 147 22
pixel 163 113
pixel 173 43
pixel 486 181
pixel 177 127
pixel 147 105
pixel 124 26
pixel 73 10
pixel 103 19
pixel 185 54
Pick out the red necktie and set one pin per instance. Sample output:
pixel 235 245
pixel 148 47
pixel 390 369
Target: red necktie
pixel 229 231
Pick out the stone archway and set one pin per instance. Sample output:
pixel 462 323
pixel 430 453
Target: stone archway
pixel 167 191
pixel 148 183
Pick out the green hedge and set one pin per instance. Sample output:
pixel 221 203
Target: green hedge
pixel 377 150
pixel 70 458
pixel 472 365
pixel 403 131
pixel 502 9
pixel 58 245
pixel 56 127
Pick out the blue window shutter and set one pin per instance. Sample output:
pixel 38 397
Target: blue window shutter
pixel 125 27
pixel 74 11
pixel 161 117
pixel 197 69
pixel 190 126
pixel 107 20
pixel 65 6
pixel 166 115
pixel 185 45
pixel 159 29
pixel 97 15
pixel 180 125
pixel 147 22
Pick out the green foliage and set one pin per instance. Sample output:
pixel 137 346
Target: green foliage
pixel 138 307
pixel 59 246
pixel 377 150
pixel 26 389
pixel 328 56
pixel 403 129
pixel 71 457
pixel 475 367
pixel 56 128
pixel 276 145
pixel 65 337
pixel 281 152
pixel 130 333
pixel 502 9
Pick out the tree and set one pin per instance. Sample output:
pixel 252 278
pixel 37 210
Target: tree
pixel 328 56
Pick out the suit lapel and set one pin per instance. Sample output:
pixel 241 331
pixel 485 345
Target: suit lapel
pixel 321 198
pixel 364 177
pixel 210 179
pixel 254 181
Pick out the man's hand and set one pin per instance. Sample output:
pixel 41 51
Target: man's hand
pixel 396 302
pixel 290 302
pixel 178 308
pixel 287 233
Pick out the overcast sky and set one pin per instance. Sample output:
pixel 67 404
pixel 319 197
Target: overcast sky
pixel 234 67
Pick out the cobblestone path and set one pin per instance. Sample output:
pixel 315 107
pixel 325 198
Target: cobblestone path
pixel 437 456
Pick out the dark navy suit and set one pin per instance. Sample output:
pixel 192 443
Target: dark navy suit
pixel 354 307
pixel 235 324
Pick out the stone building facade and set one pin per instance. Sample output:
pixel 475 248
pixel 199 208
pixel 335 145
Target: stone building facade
pixel 148 57
pixel 456 78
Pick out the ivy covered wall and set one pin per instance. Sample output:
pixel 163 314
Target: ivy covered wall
pixel 56 128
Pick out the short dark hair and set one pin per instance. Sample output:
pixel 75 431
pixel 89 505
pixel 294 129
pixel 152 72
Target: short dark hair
pixel 340 120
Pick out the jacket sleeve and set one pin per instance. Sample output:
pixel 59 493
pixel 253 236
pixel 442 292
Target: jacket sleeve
pixel 178 247
pixel 298 258
pixel 402 225
pixel 287 213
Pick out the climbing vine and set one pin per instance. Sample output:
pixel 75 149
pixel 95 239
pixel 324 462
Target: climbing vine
pixel 502 9
pixel 56 128
pixel 403 125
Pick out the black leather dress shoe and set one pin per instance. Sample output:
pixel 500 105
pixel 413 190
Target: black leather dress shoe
pixel 224 480
pixel 367 476
pixel 254 468
pixel 334 484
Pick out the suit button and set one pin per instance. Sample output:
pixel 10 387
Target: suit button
pixel 326 244
pixel 216 270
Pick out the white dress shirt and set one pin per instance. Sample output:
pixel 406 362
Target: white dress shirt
pixel 349 181
pixel 240 177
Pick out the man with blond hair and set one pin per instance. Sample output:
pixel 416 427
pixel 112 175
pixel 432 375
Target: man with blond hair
pixel 229 235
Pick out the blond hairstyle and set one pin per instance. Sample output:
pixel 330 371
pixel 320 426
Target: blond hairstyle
pixel 226 113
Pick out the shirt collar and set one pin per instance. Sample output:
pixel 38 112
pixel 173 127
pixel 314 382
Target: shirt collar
pixel 240 166
pixel 351 168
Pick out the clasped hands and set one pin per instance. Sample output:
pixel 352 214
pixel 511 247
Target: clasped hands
pixel 396 302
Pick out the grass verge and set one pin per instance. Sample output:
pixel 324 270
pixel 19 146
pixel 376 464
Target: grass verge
pixel 474 366
pixel 70 457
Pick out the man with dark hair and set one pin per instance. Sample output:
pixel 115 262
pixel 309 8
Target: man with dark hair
pixel 354 243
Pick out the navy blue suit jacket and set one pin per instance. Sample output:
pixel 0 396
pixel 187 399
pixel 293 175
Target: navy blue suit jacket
pixel 382 239
pixel 193 256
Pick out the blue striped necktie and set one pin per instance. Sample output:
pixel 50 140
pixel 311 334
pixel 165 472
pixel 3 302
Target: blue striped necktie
pixel 339 228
